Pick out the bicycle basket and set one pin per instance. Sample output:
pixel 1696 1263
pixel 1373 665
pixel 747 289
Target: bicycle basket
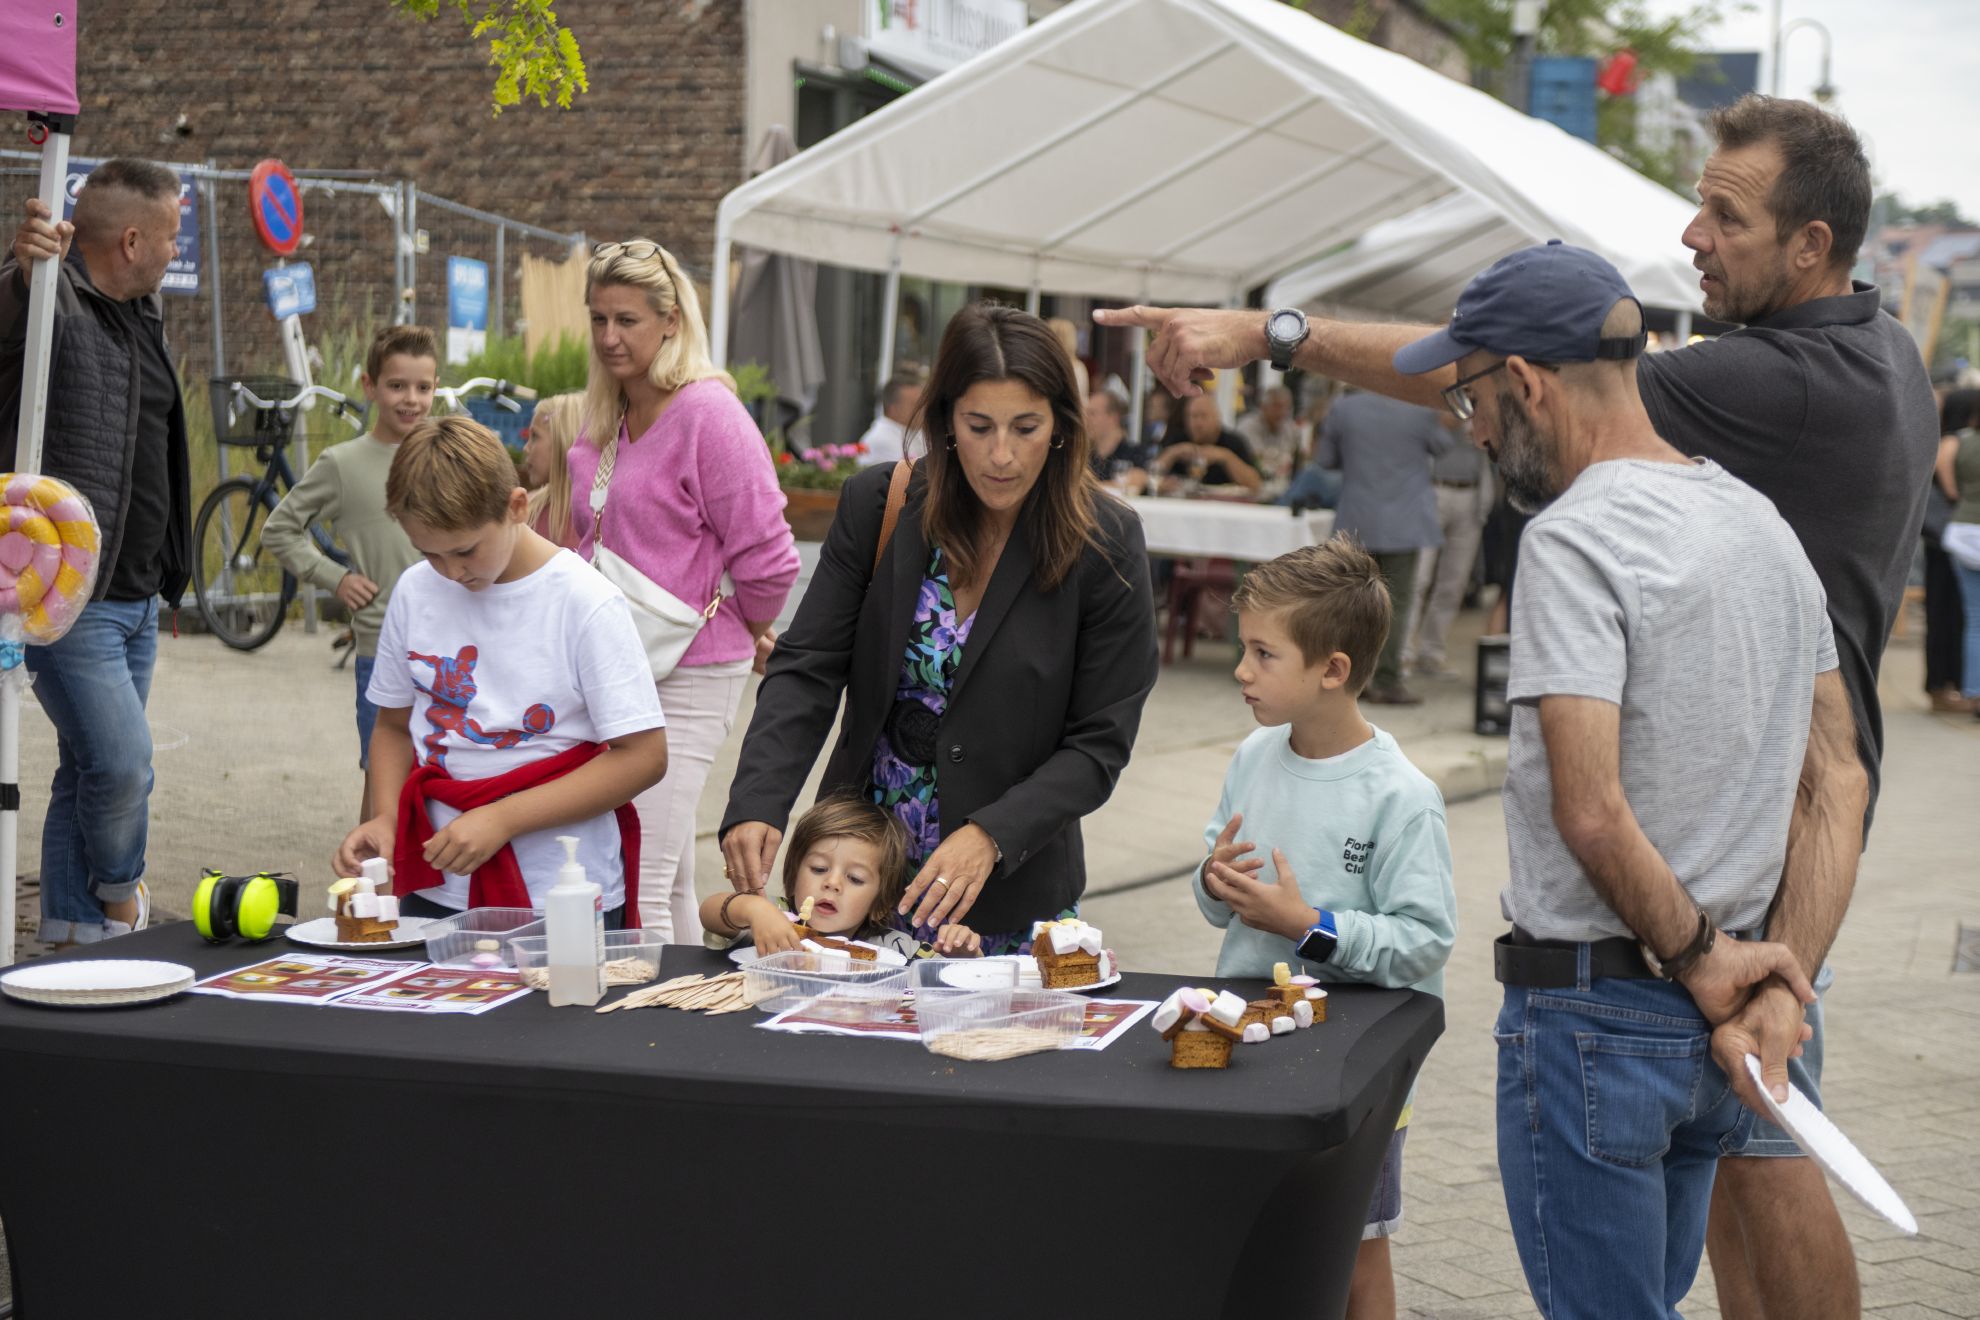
pixel 249 425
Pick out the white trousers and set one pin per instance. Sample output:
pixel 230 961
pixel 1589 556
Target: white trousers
pixel 699 702
pixel 1461 514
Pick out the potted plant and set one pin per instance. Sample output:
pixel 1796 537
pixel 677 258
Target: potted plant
pixel 810 475
pixel 811 479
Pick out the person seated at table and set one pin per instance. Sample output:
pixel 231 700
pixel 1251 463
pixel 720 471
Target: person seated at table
pixel 1116 462
pixel 849 858
pixel 518 670
pixel 993 651
pixel 1359 884
pixel 1207 452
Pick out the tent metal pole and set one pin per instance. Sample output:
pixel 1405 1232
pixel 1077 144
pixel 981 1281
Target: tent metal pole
pixel 1683 328
pixel 718 295
pixel 39 340
pixel 41 316
pixel 1138 390
pixel 1227 381
pixel 890 303
pixel 1034 297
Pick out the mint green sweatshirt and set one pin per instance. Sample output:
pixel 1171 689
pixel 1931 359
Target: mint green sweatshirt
pixel 1364 833
pixel 345 487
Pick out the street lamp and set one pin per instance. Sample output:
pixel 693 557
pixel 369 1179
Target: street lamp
pixel 1824 90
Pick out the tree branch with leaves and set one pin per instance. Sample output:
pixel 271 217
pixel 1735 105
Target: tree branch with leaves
pixel 534 55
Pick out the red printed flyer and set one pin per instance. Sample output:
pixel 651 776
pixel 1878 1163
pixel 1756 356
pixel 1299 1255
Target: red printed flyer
pixel 303 978
pixel 439 990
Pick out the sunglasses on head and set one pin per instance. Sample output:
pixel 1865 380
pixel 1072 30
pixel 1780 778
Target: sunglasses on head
pixel 638 249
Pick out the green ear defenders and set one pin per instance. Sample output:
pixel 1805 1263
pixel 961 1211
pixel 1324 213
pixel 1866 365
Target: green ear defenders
pixel 228 905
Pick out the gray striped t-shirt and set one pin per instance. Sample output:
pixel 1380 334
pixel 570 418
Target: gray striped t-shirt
pixel 1678 593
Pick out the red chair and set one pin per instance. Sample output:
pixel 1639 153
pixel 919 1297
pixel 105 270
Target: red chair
pixel 1199 595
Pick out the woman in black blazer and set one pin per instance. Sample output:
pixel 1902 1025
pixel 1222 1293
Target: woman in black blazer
pixel 994 663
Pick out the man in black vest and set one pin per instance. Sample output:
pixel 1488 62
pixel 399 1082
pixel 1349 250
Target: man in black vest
pixel 1820 402
pixel 116 431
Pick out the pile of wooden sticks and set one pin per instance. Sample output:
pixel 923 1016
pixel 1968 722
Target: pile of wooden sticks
pixel 696 993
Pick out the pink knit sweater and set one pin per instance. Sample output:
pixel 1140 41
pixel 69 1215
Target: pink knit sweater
pixel 692 498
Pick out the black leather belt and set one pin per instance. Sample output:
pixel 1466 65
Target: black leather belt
pixel 1520 959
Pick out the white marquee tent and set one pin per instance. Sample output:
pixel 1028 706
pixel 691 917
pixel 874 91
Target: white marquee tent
pixel 1183 151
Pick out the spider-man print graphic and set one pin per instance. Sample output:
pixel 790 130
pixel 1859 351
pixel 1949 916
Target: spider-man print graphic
pixel 453 691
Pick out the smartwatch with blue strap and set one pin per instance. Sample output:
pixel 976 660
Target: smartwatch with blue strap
pixel 1317 945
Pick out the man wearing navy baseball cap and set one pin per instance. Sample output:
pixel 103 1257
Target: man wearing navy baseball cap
pixel 1668 634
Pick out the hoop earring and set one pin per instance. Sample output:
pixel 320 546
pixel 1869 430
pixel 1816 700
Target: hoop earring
pixel 952 445
pixel 1060 443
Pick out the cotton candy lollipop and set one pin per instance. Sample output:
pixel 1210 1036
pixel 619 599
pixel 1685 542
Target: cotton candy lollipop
pixel 48 549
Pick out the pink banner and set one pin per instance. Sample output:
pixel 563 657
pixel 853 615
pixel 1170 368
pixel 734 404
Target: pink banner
pixel 38 55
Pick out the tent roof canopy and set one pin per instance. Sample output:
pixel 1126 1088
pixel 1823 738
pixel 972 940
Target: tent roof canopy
pixel 1188 150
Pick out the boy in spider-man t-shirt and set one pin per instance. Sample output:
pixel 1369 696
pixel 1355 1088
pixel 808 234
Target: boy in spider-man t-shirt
pixel 515 699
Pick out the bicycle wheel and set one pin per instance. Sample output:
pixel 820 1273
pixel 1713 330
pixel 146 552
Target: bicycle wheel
pixel 242 590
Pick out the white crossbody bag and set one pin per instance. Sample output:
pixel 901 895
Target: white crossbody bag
pixel 667 624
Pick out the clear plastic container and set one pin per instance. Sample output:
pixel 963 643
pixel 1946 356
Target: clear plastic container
pixel 632 957
pixel 1045 1013
pixel 450 941
pixel 855 991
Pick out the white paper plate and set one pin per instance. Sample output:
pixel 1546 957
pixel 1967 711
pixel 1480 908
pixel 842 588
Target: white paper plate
pixel 1828 1147
pixel 96 982
pixel 322 934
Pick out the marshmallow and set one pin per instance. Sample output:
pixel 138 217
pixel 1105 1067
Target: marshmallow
pixel 344 886
pixel 1303 1013
pixel 1167 1015
pixel 487 946
pixel 388 907
pixel 1256 1032
pixel 1281 974
pixel 1064 939
pixel 1038 928
pixel 364 905
pixel 1315 992
pixel 1089 941
pixel 366 885
pixel 1109 964
pixel 1302 981
pixel 1195 1024
pixel 1196 1001
pixel 1228 1009
pixel 1283 1026
pixel 804 912
pixel 378 871
pixel 486 960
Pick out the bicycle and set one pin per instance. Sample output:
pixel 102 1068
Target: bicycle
pixel 242 590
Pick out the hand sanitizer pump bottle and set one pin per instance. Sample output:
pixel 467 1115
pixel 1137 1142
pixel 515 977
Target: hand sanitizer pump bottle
pixel 575 926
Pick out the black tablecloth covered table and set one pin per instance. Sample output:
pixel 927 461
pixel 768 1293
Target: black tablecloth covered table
pixel 213 1158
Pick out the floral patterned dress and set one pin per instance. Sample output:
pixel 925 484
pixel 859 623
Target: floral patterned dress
pixel 906 785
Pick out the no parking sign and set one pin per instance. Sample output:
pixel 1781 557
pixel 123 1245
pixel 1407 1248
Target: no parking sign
pixel 275 204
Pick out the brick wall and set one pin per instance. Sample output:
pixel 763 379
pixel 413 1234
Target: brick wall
pixel 352 84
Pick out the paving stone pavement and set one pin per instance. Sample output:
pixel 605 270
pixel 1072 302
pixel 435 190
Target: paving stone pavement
pixel 256 768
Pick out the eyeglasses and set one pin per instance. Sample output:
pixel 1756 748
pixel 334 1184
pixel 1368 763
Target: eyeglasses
pixel 638 249
pixel 1458 398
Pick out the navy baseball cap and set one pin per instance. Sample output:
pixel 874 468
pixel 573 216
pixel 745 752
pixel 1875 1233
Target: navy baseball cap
pixel 1545 304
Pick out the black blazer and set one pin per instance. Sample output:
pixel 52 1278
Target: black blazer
pixel 1041 716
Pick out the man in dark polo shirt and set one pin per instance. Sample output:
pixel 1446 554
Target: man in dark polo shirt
pixel 1822 404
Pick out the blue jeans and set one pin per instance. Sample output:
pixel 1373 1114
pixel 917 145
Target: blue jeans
pixel 367 714
pixel 93 684
pixel 1612 1118
pixel 1969 593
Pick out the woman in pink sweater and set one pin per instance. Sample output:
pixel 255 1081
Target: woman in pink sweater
pixel 692 501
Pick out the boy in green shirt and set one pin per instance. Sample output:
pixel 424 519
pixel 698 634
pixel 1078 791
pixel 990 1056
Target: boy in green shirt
pixel 346 488
pixel 1358 886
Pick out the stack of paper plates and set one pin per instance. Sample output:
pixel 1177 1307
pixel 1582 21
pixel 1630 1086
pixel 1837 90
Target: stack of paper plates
pixel 96 982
